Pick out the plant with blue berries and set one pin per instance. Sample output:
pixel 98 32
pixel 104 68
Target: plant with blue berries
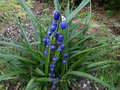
pixel 57 45
pixel 58 53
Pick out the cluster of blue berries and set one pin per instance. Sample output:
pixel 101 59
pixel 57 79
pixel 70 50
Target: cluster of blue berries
pixel 59 46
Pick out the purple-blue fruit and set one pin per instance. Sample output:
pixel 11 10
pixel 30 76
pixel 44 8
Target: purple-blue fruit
pixel 56 15
pixel 57 34
pixel 59 50
pixel 66 55
pixel 54 24
pixel 49 33
pixel 52 66
pixel 62 46
pixel 54 59
pixel 52 79
pixel 47 46
pixel 64 61
pixel 63 24
pixel 53 47
pixel 59 43
pixel 44 39
pixel 45 52
pixel 53 75
pixel 57 79
pixel 52 69
pixel 54 87
pixel 49 74
pixel 52 28
pixel 47 41
pixel 60 38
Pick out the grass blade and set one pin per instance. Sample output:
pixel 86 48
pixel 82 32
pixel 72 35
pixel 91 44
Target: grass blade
pixel 56 3
pixel 10 56
pixel 12 44
pixel 5 76
pixel 77 63
pixel 78 73
pixel 44 79
pixel 22 31
pixel 100 67
pixel 40 72
pixel 72 15
pixel 27 9
pixel 30 84
pixel 96 64
pixel 90 49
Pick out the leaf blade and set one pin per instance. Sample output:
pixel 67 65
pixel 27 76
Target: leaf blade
pixel 5 76
pixel 78 73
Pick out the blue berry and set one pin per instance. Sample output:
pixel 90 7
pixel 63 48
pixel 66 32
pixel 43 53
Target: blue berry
pixel 59 50
pixel 56 15
pixel 53 75
pixel 54 82
pixel 57 79
pixel 47 41
pixel 59 43
pixel 62 46
pixel 53 47
pixel 64 61
pixel 66 55
pixel 54 87
pixel 45 52
pixel 52 66
pixel 49 33
pixel 57 34
pixel 52 28
pixel 60 38
pixel 44 39
pixel 52 79
pixel 54 24
pixel 49 74
pixel 47 46
pixel 52 69
pixel 63 25
pixel 54 59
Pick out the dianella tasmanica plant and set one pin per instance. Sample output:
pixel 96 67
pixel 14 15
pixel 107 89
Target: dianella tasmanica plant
pixel 57 54
pixel 56 47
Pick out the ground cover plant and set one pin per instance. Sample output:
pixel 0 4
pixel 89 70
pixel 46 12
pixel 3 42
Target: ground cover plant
pixel 57 54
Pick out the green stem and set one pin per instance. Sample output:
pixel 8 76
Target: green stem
pixel 47 63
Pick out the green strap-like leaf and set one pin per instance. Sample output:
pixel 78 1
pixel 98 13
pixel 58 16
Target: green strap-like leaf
pixel 67 11
pixel 78 33
pixel 22 31
pixel 90 49
pixel 96 64
pixel 5 61
pixel 27 9
pixel 45 87
pixel 30 84
pixel 10 56
pixel 40 72
pixel 43 79
pixel 56 4
pixel 100 67
pixel 78 73
pixel 72 15
pixel 77 63
pixel 12 44
pixel 47 62
pixel 5 76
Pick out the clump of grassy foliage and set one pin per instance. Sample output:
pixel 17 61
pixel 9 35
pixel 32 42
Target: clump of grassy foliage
pixel 31 67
